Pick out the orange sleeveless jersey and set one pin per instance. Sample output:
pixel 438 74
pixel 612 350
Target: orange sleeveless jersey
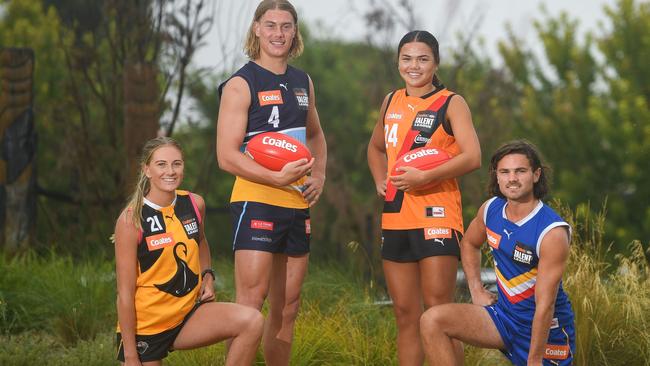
pixel 168 278
pixel 440 206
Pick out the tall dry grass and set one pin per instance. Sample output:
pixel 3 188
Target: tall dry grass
pixel 55 311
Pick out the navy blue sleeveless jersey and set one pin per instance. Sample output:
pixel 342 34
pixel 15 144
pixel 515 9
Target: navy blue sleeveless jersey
pixel 279 103
pixel 515 248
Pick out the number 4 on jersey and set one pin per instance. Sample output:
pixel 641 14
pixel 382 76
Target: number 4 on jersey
pixel 274 119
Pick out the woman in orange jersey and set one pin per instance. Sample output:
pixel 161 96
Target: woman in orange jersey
pixel 421 229
pixel 165 292
pixel 270 210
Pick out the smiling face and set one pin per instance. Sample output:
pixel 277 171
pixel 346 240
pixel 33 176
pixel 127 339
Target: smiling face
pixel 275 30
pixel 417 66
pixel 165 170
pixel 516 177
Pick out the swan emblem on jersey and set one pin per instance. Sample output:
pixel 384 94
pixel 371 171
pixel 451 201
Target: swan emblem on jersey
pixel 184 280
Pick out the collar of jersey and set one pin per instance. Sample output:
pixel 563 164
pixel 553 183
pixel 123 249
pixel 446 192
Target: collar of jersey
pixel 528 217
pixel 158 207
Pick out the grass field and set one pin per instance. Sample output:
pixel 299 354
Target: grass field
pixel 55 311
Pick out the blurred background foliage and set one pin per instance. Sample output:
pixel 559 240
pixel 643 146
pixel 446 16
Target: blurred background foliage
pixel 582 97
pixel 582 100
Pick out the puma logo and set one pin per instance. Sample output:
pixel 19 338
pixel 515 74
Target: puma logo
pixel 411 107
pixel 507 233
pixel 284 86
pixel 439 241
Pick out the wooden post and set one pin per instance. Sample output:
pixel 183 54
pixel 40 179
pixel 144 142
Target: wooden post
pixel 141 112
pixel 18 148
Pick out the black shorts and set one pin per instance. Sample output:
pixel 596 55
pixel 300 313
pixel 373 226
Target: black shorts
pixel 156 346
pixel 414 244
pixel 258 226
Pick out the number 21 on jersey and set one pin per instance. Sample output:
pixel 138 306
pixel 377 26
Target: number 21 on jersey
pixel 390 134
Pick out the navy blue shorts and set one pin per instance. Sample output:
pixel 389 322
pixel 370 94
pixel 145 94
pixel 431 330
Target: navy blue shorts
pixel 413 245
pixel 275 229
pixel 560 346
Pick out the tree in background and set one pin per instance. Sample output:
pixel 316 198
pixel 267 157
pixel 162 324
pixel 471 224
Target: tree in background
pixel 17 149
pixel 90 55
pixel 589 113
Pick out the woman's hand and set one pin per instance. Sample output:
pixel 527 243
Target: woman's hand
pixel 411 179
pixel 207 289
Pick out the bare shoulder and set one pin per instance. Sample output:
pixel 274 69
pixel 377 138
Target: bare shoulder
pixel 554 247
pixel 125 227
pixel 481 210
pixel 125 218
pixel 384 105
pixel 458 103
pixel 200 202
pixel 236 85
pixel 556 239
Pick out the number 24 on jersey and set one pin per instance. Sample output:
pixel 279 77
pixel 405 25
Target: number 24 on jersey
pixel 390 134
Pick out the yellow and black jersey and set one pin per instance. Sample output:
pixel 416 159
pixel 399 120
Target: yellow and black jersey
pixel 412 122
pixel 168 279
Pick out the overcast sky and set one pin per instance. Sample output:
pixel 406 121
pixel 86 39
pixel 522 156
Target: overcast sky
pixel 444 18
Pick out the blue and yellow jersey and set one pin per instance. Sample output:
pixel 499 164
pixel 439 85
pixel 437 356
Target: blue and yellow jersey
pixel 515 249
pixel 279 103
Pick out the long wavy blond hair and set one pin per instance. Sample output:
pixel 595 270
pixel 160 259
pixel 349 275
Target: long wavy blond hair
pixel 142 185
pixel 252 46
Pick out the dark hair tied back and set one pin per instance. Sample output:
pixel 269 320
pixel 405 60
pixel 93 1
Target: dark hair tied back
pixel 426 38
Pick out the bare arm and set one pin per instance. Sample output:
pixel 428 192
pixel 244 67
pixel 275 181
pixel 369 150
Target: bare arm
pixel 126 262
pixel 470 254
pixel 468 160
pixel 377 161
pixel 318 147
pixel 207 285
pixel 553 255
pixel 231 129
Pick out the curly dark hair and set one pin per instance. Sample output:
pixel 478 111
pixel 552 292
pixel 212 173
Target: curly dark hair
pixel 526 148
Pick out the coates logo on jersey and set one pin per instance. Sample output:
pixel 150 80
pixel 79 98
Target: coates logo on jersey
pixel 437 233
pixel 261 225
pixel 557 351
pixel 160 241
pixel 302 98
pixel 393 116
pixel 493 238
pixel 425 121
pixel 270 97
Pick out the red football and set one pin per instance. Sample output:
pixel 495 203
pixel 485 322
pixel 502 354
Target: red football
pixel 422 158
pixel 273 150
